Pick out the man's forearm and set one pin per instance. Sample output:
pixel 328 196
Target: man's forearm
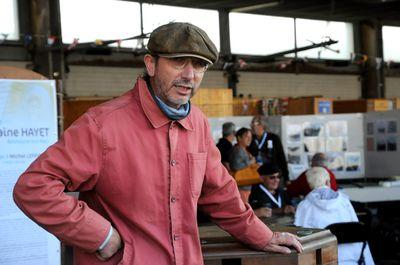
pixel 43 200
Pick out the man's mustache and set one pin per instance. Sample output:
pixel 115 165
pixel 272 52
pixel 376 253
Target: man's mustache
pixel 183 83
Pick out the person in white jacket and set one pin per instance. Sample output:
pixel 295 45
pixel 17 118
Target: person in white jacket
pixel 324 206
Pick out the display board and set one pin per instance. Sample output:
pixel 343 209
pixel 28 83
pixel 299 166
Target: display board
pixel 382 141
pixel 28 125
pixel 339 136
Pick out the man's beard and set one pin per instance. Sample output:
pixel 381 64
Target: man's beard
pixel 162 89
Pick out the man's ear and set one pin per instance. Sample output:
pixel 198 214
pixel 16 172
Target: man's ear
pixel 150 63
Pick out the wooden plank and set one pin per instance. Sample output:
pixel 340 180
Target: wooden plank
pixel 329 254
pixel 10 72
pixel 212 262
pixel 308 258
pixel 274 259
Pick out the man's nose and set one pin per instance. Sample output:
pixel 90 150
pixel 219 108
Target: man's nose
pixel 188 71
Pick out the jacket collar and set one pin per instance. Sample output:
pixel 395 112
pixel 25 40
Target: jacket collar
pixel 156 117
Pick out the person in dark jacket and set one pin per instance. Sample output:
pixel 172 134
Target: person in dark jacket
pixel 266 146
pixel 225 144
pixel 267 198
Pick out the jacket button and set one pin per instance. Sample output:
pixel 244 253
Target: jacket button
pixel 173 199
pixel 173 162
pixel 176 237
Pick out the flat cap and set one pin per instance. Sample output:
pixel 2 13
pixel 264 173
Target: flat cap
pixel 179 39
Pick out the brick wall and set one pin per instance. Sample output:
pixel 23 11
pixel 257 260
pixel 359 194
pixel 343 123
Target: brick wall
pixel 392 85
pixel 92 81
pixel 113 81
pixel 281 85
pixel 214 79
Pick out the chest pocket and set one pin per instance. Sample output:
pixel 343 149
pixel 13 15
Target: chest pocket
pixel 197 169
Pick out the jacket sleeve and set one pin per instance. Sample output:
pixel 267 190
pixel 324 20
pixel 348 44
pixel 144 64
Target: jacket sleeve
pixel 220 199
pixel 73 164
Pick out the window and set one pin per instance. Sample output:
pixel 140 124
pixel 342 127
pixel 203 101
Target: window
pixel 391 43
pixel 316 31
pixel 260 35
pixel 89 20
pixel 157 15
pixel 9 20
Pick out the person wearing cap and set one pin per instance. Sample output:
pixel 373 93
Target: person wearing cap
pixel 143 163
pixel 267 198
pixel 225 144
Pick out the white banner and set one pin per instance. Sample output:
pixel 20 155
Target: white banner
pixel 28 125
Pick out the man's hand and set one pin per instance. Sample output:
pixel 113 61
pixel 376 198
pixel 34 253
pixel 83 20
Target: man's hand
pixel 111 248
pixel 280 241
pixel 289 209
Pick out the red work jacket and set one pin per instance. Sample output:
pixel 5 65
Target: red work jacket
pixel 143 174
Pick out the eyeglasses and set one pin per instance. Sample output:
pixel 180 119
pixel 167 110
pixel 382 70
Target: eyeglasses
pixel 179 63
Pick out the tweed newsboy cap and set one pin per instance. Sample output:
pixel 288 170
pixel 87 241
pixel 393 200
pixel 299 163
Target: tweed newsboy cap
pixel 179 39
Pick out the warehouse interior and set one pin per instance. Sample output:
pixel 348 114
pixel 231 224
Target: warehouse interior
pixel 326 65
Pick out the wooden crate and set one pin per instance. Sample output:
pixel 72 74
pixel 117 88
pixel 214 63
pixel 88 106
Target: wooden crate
pixel 361 105
pixel 214 102
pixel 213 96
pixel 247 107
pixel 350 106
pixel 309 105
pixel 216 110
pixel 73 108
pixel 379 104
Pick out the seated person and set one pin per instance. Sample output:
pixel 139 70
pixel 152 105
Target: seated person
pixel 225 144
pixel 268 198
pixel 299 187
pixel 324 206
pixel 240 158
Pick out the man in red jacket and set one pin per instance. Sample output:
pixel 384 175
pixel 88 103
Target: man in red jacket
pixel 143 163
pixel 300 187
